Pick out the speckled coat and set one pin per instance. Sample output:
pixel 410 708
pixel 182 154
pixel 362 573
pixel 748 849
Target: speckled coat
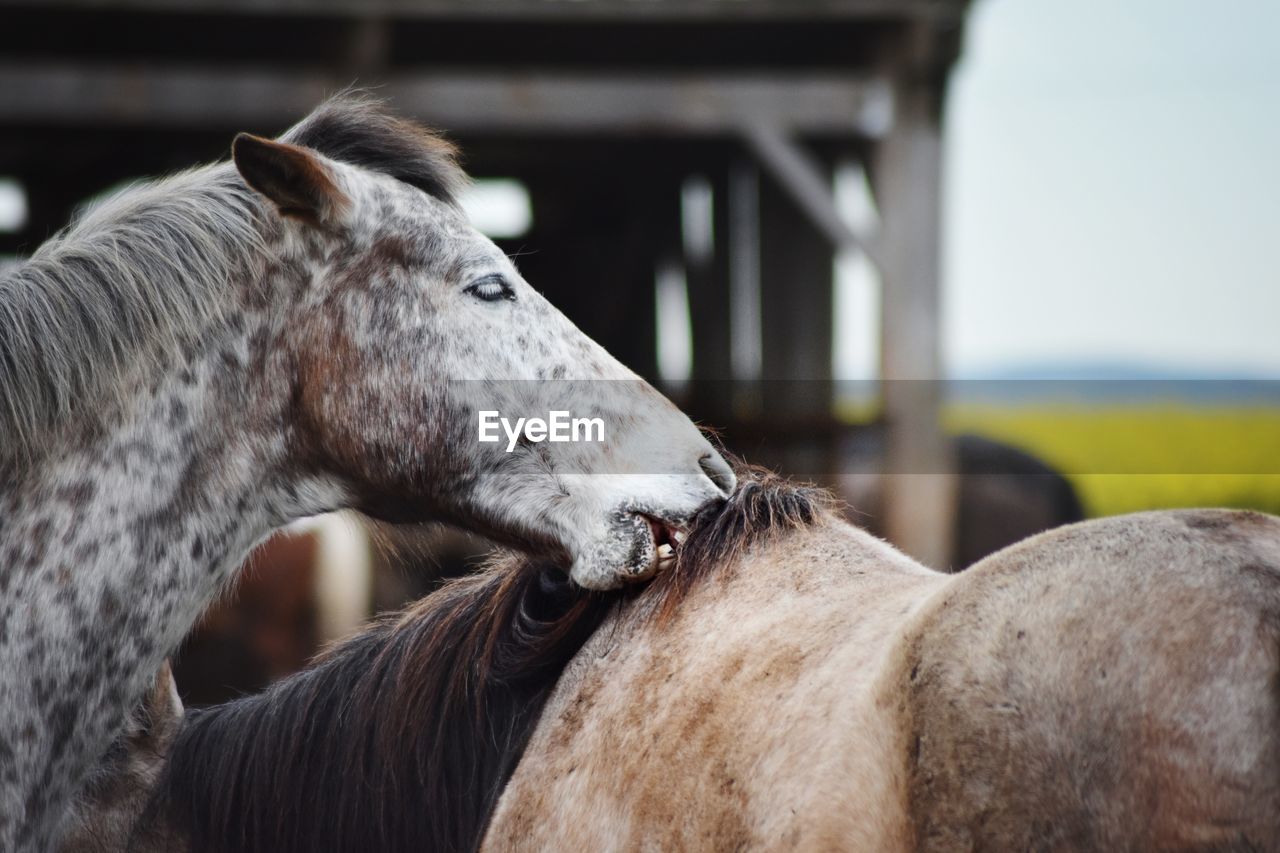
pixel 197 364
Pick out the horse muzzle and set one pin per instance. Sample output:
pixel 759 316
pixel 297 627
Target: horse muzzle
pixel 641 532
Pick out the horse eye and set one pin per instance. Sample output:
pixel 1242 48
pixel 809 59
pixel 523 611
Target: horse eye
pixel 491 288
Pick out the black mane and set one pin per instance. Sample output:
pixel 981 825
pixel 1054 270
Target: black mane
pixel 359 130
pixel 402 738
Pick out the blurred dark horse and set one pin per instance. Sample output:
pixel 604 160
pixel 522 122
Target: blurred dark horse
pixel 1005 494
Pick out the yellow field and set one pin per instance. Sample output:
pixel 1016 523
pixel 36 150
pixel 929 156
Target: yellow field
pixel 1127 458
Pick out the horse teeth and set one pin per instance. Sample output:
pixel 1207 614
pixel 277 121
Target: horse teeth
pixel 666 552
pixel 678 536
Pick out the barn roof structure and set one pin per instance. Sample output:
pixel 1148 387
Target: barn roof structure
pixel 604 109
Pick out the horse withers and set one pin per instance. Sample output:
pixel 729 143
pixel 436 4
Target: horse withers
pixel 1109 685
pixel 792 684
pixel 200 360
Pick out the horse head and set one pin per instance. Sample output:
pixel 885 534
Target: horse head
pixel 198 361
pixel 413 327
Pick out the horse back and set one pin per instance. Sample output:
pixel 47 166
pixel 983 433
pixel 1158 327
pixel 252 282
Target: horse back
pixel 1109 685
pixel 749 721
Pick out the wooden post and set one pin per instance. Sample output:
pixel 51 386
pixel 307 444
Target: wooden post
pixel 745 344
pixel 920 482
pixel 796 297
pixel 601 272
pixel 708 275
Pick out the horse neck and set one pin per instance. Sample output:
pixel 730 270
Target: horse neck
pixel 110 549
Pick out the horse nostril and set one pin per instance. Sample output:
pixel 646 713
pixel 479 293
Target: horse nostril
pixel 718 472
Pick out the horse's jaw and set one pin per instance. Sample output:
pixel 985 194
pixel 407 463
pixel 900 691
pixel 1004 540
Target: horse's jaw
pixel 606 503
pixel 628 524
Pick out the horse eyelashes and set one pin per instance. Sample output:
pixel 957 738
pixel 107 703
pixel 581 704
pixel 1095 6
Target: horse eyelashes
pixel 491 288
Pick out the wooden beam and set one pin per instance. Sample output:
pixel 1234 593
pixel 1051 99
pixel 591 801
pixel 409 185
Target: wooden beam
pixel 707 249
pixel 796 299
pixel 675 10
pixel 502 103
pixel 746 337
pixel 807 182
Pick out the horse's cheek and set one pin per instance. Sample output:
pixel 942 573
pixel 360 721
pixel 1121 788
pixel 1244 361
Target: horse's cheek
pixel 328 414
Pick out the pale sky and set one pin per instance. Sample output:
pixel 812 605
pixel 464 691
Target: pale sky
pixel 1113 186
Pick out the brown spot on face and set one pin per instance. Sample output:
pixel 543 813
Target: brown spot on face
pixel 328 362
pixel 391 251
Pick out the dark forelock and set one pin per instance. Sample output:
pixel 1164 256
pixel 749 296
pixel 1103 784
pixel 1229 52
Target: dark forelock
pixel 361 131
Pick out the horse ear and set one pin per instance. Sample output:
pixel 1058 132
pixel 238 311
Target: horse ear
pixel 292 177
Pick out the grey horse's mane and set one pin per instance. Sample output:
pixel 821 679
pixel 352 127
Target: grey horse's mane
pixel 142 274
pixel 127 286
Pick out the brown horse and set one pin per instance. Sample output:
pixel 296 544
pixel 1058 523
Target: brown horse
pixel 792 684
